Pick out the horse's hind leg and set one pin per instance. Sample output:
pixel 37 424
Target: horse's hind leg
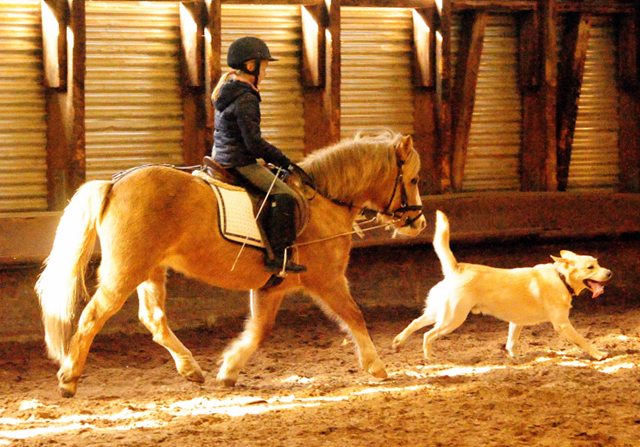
pixel 264 307
pixel 152 295
pixel 104 303
pixel 335 297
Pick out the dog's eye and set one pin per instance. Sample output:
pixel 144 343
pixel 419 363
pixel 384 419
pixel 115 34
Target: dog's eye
pixel 591 267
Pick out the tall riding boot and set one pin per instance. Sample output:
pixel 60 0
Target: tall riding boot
pixel 281 232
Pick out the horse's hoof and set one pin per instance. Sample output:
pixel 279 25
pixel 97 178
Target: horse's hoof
pixel 380 374
pixel 195 376
pixel 226 382
pixel 378 370
pixel 68 389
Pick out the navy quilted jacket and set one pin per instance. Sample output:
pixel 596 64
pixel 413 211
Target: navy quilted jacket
pixel 237 138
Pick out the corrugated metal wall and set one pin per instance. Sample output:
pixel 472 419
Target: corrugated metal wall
pixel 376 89
pixel 282 105
pixel 133 100
pixel 595 161
pixel 23 167
pixel 493 152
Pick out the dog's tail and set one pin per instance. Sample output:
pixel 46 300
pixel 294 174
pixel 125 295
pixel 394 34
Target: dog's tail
pixel 441 244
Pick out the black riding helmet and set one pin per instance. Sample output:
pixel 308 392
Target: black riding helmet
pixel 245 49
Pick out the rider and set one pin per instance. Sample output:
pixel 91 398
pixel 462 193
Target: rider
pixel 238 143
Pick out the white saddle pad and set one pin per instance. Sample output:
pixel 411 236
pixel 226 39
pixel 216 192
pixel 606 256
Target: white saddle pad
pixel 236 216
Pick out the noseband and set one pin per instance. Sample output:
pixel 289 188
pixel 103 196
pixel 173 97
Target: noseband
pixel 404 207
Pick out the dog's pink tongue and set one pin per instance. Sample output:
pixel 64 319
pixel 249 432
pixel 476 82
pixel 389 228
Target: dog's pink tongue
pixel 596 288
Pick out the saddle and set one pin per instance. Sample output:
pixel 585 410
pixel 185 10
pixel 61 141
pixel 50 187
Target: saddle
pixel 241 202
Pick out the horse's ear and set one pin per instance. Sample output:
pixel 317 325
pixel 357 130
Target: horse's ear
pixel 404 148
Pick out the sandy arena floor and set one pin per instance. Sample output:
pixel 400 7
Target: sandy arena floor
pixel 304 388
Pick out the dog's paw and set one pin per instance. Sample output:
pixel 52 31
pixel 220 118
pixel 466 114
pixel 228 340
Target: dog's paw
pixel 397 344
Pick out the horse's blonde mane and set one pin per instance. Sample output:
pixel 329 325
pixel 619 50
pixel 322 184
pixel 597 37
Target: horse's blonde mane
pixel 349 168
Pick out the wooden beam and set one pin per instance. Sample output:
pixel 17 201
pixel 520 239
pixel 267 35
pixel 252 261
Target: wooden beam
pixel 596 7
pixel 470 51
pixel 531 72
pixel 629 115
pixel 55 16
pixel 196 139
pixel 77 163
pixel 322 103
pixel 315 20
pixel 574 54
pixel 534 217
pixel 213 53
pixel 424 46
pixel 444 96
pixel 59 115
pixel 389 3
pixel 192 40
pixel 272 2
pixel 334 72
pixel 426 22
pixel 548 89
pixel 541 216
pixel 494 5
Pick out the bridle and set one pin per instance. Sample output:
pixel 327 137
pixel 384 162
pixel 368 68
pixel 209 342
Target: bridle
pixel 404 207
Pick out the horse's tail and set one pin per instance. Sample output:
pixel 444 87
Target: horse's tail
pixel 441 244
pixel 62 283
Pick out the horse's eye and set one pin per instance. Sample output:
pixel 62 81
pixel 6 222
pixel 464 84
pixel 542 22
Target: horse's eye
pixel 414 181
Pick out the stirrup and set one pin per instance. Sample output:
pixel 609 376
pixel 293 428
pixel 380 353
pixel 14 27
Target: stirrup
pixel 282 267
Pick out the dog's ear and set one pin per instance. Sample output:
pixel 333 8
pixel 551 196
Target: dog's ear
pixel 561 260
pixel 566 254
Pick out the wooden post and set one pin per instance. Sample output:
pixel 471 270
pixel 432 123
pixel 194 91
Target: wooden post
pixel 315 20
pixel 531 72
pixel 425 23
pixel 444 94
pixel 464 94
pixel 64 99
pixel 213 50
pixel 574 50
pixel 194 93
pixel 55 18
pixel 547 24
pixel 629 136
pixel 322 101
pixel 77 167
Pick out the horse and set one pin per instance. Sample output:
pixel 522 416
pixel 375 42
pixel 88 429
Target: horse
pixel 158 218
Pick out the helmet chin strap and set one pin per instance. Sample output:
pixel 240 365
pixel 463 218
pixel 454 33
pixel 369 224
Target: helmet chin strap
pixel 256 73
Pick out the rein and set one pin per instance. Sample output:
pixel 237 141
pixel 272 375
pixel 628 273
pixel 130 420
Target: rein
pixel 359 231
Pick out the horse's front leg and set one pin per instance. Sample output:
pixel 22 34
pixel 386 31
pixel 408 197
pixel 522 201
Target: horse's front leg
pixel 264 307
pixel 335 296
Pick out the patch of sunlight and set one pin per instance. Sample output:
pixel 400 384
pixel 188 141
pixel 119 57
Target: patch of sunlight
pixel 298 379
pixel 576 363
pixel 615 368
pixel 417 375
pixel 52 430
pixel 467 370
pixel 543 359
pixel 29 405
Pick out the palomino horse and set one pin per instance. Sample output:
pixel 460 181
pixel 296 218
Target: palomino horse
pixel 157 218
